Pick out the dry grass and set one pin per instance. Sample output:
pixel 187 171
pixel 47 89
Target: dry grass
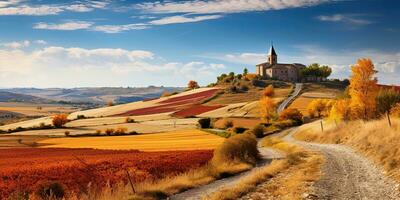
pixel 177 140
pixel 32 109
pixel 282 179
pixel 237 122
pixel 375 139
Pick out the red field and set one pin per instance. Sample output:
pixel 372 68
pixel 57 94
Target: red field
pixel 195 110
pixel 21 170
pixel 173 104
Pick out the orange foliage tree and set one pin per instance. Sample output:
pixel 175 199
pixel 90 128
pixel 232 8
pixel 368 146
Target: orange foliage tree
pixel 363 90
pixel 193 85
pixel 60 120
pixel 267 108
pixel 269 91
pixel 291 114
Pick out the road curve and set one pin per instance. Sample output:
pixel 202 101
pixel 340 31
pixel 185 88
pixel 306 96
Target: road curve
pixel 349 175
pixel 285 103
pixel 200 192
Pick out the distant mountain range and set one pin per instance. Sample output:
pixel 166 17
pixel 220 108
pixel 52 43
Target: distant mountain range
pixel 84 95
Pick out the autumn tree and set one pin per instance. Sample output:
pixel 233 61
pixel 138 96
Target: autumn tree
pixel 363 89
pixel 291 114
pixel 60 120
pixel 319 107
pixel 267 108
pixel 269 91
pixel 193 85
pixel 340 110
pixel 386 100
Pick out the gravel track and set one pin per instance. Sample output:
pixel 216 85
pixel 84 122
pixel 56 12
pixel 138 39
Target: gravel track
pixel 349 175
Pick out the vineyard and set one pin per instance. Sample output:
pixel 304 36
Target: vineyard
pixel 23 170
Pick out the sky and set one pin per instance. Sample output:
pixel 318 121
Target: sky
pixel 88 43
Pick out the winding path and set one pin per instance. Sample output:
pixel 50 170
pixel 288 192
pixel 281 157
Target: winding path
pixel 285 103
pixel 349 175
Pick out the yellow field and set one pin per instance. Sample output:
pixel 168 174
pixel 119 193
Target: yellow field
pixel 190 139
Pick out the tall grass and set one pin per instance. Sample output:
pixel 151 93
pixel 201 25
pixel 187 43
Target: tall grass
pixel 376 139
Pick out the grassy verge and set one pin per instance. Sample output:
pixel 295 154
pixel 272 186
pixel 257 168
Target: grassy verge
pixel 283 179
pixel 375 139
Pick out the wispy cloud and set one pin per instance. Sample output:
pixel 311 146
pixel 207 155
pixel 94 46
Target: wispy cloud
pixel 345 18
pixel 67 26
pixel 183 19
pixel 223 6
pixel 20 7
pixel 120 28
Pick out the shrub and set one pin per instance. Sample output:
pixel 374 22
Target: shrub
pixel 109 131
pixel 292 114
pixel 237 149
pixel 228 123
pixel 205 122
pixel 133 133
pixel 239 129
pixel 232 89
pixel 52 190
pixel 244 88
pixel 66 133
pixel 258 130
pixel 60 120
pixel 269 91
pixel 193 85
pixel 81 117
pixel 121 130
pixel 258 83
pixel 129 120
pixel 110 103
pixel 98 132
pixel 285 123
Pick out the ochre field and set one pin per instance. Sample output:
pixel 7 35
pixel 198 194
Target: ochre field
pixel 190 139
pixel 22 170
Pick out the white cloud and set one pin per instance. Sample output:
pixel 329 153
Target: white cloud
pixel 42 42
pixel 120 28
pixel 76 25
pixel 183 19
pixel 224 6
pixel 351 19
pixel 18 7
pixel 17 44
pixel 77 67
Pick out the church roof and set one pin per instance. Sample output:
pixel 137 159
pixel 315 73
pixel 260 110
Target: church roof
pixel 272 51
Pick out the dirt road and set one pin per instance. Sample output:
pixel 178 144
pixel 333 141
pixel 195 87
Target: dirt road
pixel 348 175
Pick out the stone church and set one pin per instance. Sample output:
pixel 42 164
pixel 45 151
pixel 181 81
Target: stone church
pixel 279 71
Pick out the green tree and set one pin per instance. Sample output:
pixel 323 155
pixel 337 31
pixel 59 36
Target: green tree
pixel 245 72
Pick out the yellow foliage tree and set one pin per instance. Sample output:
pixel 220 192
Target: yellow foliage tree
pixel 340 110
pixel 363 90
pixel 319 107
pixel 267 108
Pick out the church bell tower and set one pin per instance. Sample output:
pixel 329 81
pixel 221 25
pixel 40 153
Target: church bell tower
pixel 272 57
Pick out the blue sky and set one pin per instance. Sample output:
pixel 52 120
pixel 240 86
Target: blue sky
pixel 139 43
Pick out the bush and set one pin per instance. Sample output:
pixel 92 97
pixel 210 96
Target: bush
pixel 205 123
pixel 52 190
pixel 232 89
pixel 121 130
pixel 98 132
pixel 244 88
pixel 60 120
pixel 109 131
pixel 66 133
pixel 292 114
pixel 228 123
pixel 237 149
pixel 239 129
pixel 258 131
pixel 285 124
pixel 81 117
pixel 258 83
pixel 129 120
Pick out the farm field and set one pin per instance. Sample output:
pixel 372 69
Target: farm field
pixel 31 109
pixel 190 139
pixel 23 170
pixel 238 122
